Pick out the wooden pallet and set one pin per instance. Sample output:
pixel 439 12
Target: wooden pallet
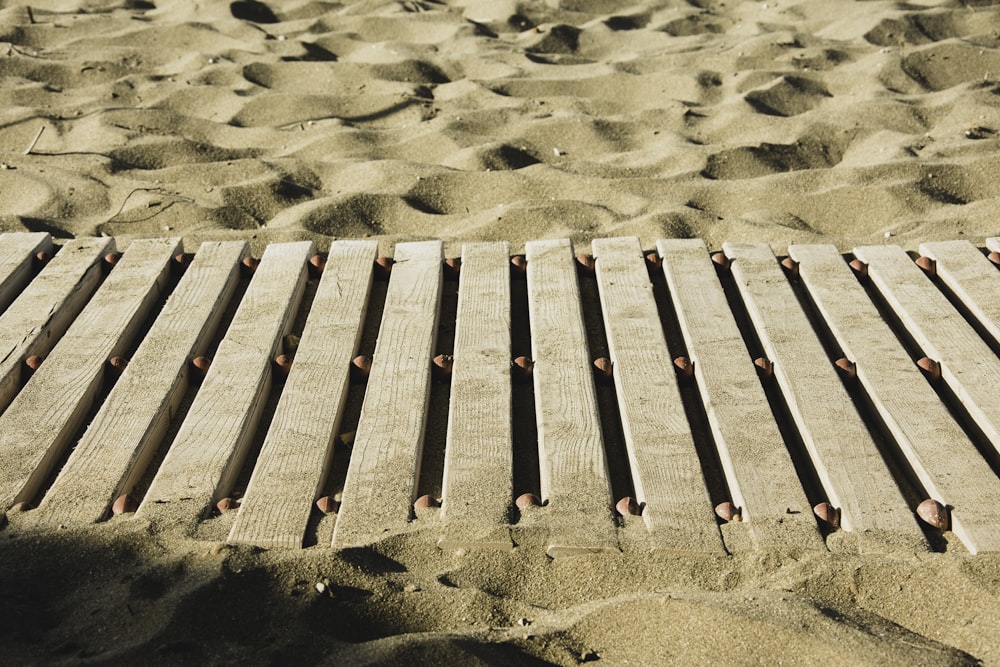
pixel 734 394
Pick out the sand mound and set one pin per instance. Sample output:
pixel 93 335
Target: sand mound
pixel 654 99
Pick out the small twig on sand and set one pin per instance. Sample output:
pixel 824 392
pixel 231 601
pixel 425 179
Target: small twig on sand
pixel 38 135
pixel 174 197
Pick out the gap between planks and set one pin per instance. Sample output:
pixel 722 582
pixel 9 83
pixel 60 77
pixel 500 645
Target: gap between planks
pixel 298 447
pixel 39 424
pixel 213 441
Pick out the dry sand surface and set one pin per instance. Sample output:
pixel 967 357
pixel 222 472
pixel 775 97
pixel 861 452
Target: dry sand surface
pixel 783 121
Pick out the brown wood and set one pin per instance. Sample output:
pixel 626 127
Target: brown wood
pixel 666 470
pixel 38 425
pixel 212 443
pixel 478 466
pixel 761 476
pixel 385 459
pixel 299 445
pixel 854 476
pixel 17 257
pixel 574 475
pixel 123 437
pixel 40 315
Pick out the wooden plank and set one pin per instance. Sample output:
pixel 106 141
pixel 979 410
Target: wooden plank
pixel 385 460
pixel 211 445
pixel 666 471
pixel 37 427
pixel 120 442
pixel 854 476
pixel 478 463
pixel 299 444
pixel 17 257
pixel 574 474
pixel 940 454
pixel 969 367
pixel 38 318
pixel 759 471
pixel 972 279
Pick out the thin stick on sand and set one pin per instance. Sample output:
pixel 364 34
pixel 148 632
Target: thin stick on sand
pixel 27 151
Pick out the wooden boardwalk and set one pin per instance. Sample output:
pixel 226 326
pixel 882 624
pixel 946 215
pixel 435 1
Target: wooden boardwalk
pixel 827 401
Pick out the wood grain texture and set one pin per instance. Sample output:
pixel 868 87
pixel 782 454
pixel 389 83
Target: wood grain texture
pixel 972 279
pixel 574 473
pixel 940 454
pixel 478 464
pixel 123 437
pixel 758 468
pixel 211 444
pixel 385 460
pixel 17 256
pixel 845 457
pixel 666 469
pixel 38 425
pixel 40 315
pixel 299 444
pixel 968 365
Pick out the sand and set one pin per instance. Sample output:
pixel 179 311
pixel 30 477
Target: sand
pixel 782 121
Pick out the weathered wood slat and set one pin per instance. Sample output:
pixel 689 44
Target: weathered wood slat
pixel 759 471
pixel 120 442
pixel 37 427
pixel 299 445
pixel 968 365
pixel 478 465
pixel 17 256
pixel 574 473
pixel 38 318
pixel 666 470
pixel 854 476
pixel 940 454
pixel 75 319
pixel 972 279
pixel 385 459
pixel 211 444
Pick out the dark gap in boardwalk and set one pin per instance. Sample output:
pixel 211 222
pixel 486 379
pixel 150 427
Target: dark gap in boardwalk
pixel 173 277
pixel 526 466
pixel 694 407
pixel 889 316
pixel 107 380
pixel 287 345
pixel 954 405
pixel 313 535
pixel 899 467
pixel 270 398
pixel 958 411
pixel 33 270
pixel 615 452
pixel 956 408
pixel 239 487
pixel 103 389
pixel 963 310
pixel 51 342
pixel 779 408
pixel 430 468
pixel 320 527
pixel 194 384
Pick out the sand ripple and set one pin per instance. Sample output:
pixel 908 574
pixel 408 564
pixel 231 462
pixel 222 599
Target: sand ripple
pixel 891 108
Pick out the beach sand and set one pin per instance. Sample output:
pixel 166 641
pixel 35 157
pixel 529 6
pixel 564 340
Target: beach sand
pixel 783 122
